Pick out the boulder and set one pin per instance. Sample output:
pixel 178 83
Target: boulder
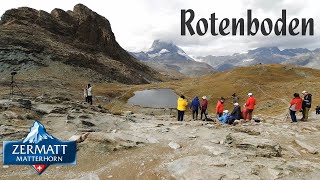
pixel 261 147
pixel 79 138
pixel 87 123
pixel 174 145
pixel 306 146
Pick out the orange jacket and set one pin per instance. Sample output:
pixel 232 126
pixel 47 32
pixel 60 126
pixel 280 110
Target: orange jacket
pixel 296 104
pixel 251 102
pixel 219 107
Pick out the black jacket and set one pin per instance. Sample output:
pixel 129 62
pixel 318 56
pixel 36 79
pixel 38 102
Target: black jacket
pixel 307 100
pixel 236 112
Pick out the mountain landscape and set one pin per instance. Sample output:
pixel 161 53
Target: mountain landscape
pixel 77 44
pixel 170 59
pixel 265 55
pixel 56 54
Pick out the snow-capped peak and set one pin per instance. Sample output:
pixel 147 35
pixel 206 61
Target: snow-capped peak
pixel 37 133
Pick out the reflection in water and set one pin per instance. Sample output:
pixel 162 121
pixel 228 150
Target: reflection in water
pixel 155 98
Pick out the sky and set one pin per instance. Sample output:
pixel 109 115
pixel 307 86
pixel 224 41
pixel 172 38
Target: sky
pixel 137 23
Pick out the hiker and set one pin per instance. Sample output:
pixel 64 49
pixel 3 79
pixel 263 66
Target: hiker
pixel 306 105
pixel 317 110
pixel 220 107
pixel 204 108
pixel 295 105
pixel 182 106
pixel 85 94
pixel 236 113
pixel 226 118
pixel 195 106
pixel 235 98
pixel 89 90
pixel 250 103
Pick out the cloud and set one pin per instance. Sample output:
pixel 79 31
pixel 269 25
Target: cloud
pixel 137 23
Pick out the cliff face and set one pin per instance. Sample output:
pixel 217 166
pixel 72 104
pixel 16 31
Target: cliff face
pixel 31 39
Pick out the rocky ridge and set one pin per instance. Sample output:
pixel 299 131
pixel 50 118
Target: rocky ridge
pixel 81 40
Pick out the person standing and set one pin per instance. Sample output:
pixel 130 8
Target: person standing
pixel 306 105
pixel 317 110
pixel 204 108
pixel 295 105
pixel 181 107
pixel 220 107
pixel 85 93
pixel 195 106
pixel 89 94
pixel 250 103
pixel 235 98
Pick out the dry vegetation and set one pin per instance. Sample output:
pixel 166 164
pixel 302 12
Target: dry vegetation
pixel 272 85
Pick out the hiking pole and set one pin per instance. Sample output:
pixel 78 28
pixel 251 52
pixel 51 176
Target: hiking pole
pixel 286 117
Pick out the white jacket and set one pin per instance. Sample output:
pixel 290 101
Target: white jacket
pixel 90 91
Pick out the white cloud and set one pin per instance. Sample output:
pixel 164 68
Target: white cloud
pixel 137 23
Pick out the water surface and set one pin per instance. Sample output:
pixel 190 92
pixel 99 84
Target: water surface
pixel 154 98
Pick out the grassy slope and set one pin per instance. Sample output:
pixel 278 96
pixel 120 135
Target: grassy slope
pixel 272 85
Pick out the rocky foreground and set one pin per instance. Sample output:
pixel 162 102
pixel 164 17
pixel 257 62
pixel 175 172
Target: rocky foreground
pixel 140 146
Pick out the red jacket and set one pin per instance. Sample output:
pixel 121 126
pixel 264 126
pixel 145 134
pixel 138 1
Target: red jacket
pixel 204 105
pixel 251 102
pixel 219 107
pixel 296 104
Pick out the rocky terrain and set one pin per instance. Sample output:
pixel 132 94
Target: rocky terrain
pixel 155 146
pixel 170 59
pixel 77 44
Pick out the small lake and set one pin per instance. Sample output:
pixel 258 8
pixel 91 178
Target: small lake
pixel 154 98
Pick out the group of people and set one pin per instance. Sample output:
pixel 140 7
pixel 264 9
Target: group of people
pixel 300 105
pixel 222 114
pixel 87 93
pixel 194 106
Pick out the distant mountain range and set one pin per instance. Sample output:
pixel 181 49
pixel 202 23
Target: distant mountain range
pixel 265 55
pixel 168 58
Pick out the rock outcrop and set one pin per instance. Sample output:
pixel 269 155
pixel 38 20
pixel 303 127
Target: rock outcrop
pixel 31 39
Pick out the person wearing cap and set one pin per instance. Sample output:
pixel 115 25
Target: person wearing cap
pixel 306 105
pixel 195 106
pixel 204 108
pixel 249 105
pixel 182 106
pixel 295 105
pixel 236 113
pixel 226 118
pixel 220 107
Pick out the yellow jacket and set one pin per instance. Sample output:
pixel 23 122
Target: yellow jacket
pixel 182 104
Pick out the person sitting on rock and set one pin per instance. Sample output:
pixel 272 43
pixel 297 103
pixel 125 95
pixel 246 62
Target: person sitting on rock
pixel 226 118
pixel 236 113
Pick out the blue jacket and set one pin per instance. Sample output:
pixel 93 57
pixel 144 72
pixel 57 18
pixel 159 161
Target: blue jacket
pixel 223 118
pixel 195 104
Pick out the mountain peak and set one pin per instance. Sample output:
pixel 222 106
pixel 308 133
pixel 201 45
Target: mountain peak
pixel 37 133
